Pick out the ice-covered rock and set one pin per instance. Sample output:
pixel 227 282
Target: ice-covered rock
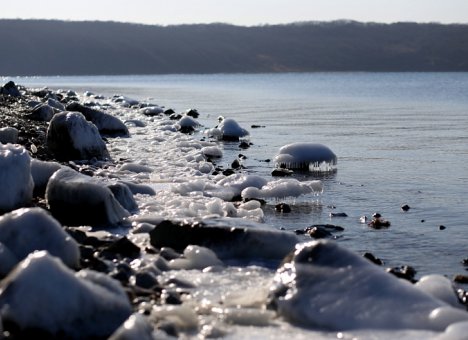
pixel 76 199
pixel 41 112
pixel 16 182
pixel 282 188
pixel 187 124
pixel 41 171
pixel 70 136
pixel 196 257
pixel 123 195
pixel 107 124
pixel 322 285
pixel 228 130
pixel 28 229
pixel 8 135
pixel 440 287
pixel 246 243
pixel 152 110
pixel 10 89
pixel 53 102
pixel 139 188
pixel 43 294
pixel 212 151
pixel 135 327
pixel 306 156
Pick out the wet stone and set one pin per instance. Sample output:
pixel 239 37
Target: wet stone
pixel 373 259
pixel 404 272
pixel 283 208
pixel 461 279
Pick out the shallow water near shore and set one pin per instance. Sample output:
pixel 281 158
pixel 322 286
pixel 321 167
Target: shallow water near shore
pixel 400 138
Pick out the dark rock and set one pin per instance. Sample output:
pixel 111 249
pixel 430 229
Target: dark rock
pixel 235 164
pixel 65 138
pixel 442 227
pixel 171 297
pixel 404 272
pixel 318 231
pixel 405 207
pixel 124 195
pixel 228 172
pixel 107 125
pixel 10 89
pixel 122 247
pixel 283 208
pixel 169 253
pixel 169 112
pixel 339 214
pixel 139 188
pixel 175 116
pixel 146 280
pixel 225 241
pixel 242 145
pixel 41 112
pixel 465 262
pixel 461 279
pixel 254 126
pixel 192 113
pixel 373 259
pixel 280 172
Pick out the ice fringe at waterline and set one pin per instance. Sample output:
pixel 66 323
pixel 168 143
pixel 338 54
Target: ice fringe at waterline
pixel 306 156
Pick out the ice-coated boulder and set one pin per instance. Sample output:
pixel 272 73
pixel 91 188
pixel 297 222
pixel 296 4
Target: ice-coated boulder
pixel 187 124
pixel 322 285
pixel 28 229
pixel 42 113
pixel 123 195
pixel 76 199
pixel 228 130
pixel 43 294
pixel 246 243
pixel 306 156
pixel 70 136
pixel 10 89
pixel 41 171
pixel 8 135
pixel 135 327
pixel 107 125
pixel 16 182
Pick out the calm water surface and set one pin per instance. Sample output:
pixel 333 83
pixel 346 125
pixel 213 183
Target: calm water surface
pixel 400 138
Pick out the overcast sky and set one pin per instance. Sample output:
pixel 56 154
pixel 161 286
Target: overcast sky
pixel 238 12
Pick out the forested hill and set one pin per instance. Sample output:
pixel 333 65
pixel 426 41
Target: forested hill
pixel 42 47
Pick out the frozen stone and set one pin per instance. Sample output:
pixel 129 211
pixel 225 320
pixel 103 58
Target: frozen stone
pixel 28 229
pixel 196 257
pixel 124 196
pixel 228 130
pixel 41 112
pixel 41 171
pixel 135 327
pixel 8 135
pixel 43 294
pixel 107 124
pixel 306 156
pixel 76 199
pixel 16 182
pixel 71 137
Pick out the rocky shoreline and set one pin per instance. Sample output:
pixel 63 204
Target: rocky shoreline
pixel 103 284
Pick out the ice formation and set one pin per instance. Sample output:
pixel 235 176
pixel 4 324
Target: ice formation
pixel 76 199
pixel 229 130
pixel 306 156
pixel 73 305
pixel 26 230
pixel 283 188
pixel 15 177
pixel 41 171
pixel 135 327
pixel 328 287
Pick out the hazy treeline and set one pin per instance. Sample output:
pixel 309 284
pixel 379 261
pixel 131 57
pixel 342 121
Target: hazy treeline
pixel 42 47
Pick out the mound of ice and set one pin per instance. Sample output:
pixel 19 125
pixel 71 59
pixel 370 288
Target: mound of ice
pixel 282 188
pixel 42 293
pixel 107 125
pixel 76 199
pixel 232 186
pixel 328 287
pixel 306 156
pixel 228 130
pixel 134 167
pixel 440 287
pixel 123 195
pixel 212 152
pixel 152 110
pixel 196 257
pixel 135 327
pixel 187 124
pixel 28 229
pixel 41 171
pixel 15 177
pixel 8 135
pixel 70 136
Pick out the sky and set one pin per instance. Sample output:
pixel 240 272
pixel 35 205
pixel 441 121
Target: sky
pixel 238 12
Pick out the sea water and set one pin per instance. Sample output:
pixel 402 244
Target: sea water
pixel 400 138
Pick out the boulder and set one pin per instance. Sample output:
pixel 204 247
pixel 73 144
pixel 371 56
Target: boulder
pixel 71 137
pixel 324 286
pixel 76 199
pixel 41 171
pixel 8 135
pixel 107 125
pixel 29 229
pixel 43 295
pixel 10 89
pixel 16 182
pixel 42 113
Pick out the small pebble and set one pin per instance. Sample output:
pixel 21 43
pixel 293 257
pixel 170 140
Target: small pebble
pixel 442 227
pixel 405 207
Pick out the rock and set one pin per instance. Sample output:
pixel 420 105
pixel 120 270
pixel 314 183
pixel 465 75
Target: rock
pixel 107 125
pixel 229 130
pixel 279 172
pixel 187 124
pixel 10 89
pixel 26 230
pixel 405 207
pixel 124 195
pixel 16 182
pixel 246 243
pixel 42 113
pixel 71 137
pixel 404 272
pixel 339 214
pixel 373 259
pixel 324 286
pixel 442 227
pixel 139 188
pixel 76 199
pixel 152 111
pixel 43 294
pixel 283 208
pixel 124 248
pixel 8 135
pixel 192 113
pixel 306 156
pixel 41 172
pixel 135 327
pixel 461 279
pixel 55 104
